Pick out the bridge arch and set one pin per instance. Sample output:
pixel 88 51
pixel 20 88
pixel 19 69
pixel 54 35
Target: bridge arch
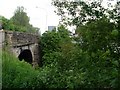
pixel 26 55
pixel 22 45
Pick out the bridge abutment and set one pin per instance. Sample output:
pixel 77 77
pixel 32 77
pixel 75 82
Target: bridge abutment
pixel 16 42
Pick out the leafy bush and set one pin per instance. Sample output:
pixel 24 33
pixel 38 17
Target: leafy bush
pixel 80 65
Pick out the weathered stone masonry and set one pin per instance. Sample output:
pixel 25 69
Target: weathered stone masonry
pixel 18 42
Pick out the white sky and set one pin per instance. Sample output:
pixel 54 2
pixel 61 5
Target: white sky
pixel 41 12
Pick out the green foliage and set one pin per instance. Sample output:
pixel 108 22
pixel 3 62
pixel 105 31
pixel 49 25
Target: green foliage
pixel 80 11
pixel 101 58
pixel 115 32
pixel 51 40
pixel 67 65
pixel 20 17
pixel 19 22
pixel 16 74
pixel 6 24
pixel 93 61
pixel 96 35
pixel 88 64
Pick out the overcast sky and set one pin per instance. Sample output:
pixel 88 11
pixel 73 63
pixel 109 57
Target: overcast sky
pixel 41 12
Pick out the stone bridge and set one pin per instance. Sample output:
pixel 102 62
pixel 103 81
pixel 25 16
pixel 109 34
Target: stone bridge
pixel 22 45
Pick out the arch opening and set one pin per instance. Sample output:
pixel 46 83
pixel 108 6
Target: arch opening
pixel 26 55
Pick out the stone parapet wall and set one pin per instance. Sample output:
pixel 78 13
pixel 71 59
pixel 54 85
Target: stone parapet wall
pixel 19 38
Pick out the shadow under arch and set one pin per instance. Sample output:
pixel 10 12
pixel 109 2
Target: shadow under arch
pixel 26 55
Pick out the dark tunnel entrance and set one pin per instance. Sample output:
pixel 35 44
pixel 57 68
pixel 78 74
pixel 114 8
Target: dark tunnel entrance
pixel 26 55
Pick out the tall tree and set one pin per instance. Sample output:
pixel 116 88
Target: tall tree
pixel 20 17
pixel 21 21
pixel 79 12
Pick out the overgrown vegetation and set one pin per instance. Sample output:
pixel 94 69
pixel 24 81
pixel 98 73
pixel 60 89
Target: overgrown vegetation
pixel 90 60
pixel 78 65
pixel 18 74
pixel 64 66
